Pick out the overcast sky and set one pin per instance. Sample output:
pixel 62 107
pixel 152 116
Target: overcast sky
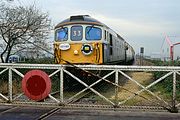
pixel 142 23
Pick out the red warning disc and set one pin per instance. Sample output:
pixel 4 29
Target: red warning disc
pixel 36 85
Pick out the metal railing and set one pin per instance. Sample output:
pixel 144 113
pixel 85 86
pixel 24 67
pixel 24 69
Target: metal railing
pixel 146 93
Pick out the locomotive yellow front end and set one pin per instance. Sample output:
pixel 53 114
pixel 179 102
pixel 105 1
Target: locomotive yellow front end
pixel 78 53
pixel 78 41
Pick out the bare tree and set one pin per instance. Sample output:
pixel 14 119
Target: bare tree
pixel 22 28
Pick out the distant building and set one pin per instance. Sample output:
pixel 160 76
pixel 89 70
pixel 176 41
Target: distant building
pixel 155 56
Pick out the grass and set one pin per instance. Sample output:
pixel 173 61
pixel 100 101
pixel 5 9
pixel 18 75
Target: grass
pixel 144 78
pixel 166 86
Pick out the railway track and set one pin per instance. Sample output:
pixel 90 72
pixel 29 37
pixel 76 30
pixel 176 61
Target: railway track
pixel 48 114
pixel 8 110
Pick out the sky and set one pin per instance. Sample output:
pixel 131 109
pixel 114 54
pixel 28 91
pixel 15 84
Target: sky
pixel 142 23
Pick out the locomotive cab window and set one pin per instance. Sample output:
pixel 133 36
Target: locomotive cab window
pixel 76 33
pixel 62 34
pixel 93 33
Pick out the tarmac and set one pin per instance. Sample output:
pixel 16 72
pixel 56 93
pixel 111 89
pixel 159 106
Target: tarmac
pixel 38 113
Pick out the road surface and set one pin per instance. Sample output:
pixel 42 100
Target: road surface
pixel 34 113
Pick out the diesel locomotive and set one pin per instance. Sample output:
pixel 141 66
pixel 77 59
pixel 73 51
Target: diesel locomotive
pixel 82 39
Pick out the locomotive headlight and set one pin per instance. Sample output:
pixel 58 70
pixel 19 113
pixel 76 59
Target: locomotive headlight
pixel 75 52
pixel 87 49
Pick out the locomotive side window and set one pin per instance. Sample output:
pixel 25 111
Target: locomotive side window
pixel 93 33
pixel 76 33
pixel 105 34
pixel 111 44
pixel 62 34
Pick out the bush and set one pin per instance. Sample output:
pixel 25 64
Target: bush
pixel 167 84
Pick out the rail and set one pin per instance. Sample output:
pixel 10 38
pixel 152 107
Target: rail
pixel 147 94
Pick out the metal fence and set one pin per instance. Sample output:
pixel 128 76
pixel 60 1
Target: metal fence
pixel 97 86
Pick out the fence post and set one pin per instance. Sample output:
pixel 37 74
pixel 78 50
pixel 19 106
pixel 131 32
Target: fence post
pixel 116 88
pixel 61 84
pixel 10 84
pixel 174 108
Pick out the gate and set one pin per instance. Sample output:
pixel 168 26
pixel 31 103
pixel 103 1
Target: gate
pixel 96 86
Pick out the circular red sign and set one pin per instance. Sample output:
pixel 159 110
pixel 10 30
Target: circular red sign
pixel 36 85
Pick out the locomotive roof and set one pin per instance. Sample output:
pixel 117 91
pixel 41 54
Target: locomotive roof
pixel 83 19
pixel 80 19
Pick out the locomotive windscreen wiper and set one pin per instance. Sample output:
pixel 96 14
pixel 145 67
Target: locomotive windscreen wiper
pixel 90 29
pixel 66 31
